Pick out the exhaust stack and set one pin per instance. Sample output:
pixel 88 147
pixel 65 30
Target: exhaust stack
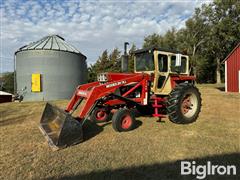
pixel 124 59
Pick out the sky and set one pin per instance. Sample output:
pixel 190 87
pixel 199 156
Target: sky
pixel 90 25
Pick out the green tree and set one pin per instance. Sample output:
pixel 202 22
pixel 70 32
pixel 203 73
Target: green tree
pixel 170 39
pixel 154 40
pixel 191 38
pixel 8 82
pixel 105 63
pixel 223 17
pixel 115 63
pixel 194 34
pixel 100 66
pixel 131 58
pixel 92 74
pixel 167 41
pixel 209 35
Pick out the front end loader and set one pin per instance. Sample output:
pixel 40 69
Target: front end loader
pixel 160 86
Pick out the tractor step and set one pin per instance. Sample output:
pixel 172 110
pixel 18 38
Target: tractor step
pixel 157 103
pixel 159 115
pixel 157 106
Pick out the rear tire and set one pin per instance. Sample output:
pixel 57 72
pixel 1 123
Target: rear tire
pixel 123 120
pixel 184 104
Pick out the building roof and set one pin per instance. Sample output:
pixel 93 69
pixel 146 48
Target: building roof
pixel 158 49
pixel 231 52
pixel 52 42
pixel 4 93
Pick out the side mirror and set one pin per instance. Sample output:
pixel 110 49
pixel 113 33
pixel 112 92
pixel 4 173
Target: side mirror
pixel 178 63
pixel 178 60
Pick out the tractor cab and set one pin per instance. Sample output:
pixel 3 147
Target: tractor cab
pixel 163 64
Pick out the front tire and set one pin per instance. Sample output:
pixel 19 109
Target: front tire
pixel 100 115
pixel 123 120
pixel 184 104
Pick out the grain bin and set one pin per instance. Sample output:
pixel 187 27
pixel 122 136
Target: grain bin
pixel 49 69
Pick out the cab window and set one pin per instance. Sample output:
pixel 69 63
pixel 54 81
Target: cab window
pixel 144 62
pixel 173 64
pixel 183 64
pixel 182 68
pixel 163 63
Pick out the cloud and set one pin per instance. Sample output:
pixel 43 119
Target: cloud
pixel 91 26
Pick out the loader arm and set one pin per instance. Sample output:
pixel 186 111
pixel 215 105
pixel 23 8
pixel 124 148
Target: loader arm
pixel 92 92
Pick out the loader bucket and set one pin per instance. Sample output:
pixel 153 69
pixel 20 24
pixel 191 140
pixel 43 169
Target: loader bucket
pixel 60 128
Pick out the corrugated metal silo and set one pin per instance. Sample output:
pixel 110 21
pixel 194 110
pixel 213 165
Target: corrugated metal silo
pixel 49 69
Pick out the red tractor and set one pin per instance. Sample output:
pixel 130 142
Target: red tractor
pixel 160 86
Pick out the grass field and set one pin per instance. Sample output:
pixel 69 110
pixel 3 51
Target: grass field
pixel 152 151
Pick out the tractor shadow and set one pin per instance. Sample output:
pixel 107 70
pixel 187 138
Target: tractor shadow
pixel 164 170
pixel 221 88
pixel 138 124
pixel 91 129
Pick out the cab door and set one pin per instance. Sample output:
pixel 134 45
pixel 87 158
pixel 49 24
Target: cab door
pixel 161 71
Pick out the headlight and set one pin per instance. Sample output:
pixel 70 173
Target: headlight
pixel 102 77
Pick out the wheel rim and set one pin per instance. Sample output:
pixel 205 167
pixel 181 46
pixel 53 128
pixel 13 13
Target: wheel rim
pixel 101 115
pixel 189 105
pixel 126 121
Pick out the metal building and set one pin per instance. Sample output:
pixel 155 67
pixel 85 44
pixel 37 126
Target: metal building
pixel 49 69
pixel 232 70
pixel 5 97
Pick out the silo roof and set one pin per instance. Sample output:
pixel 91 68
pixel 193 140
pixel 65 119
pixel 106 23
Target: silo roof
pixel 53 42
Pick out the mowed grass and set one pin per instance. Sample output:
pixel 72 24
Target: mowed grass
pixel 152 151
